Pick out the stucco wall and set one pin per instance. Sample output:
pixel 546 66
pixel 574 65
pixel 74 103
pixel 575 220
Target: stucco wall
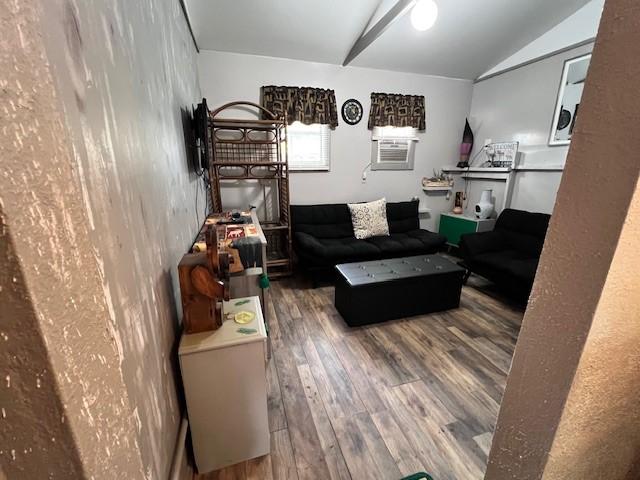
pixel 100 201
pixel 599 432
pixel 31 410
pixel 570 404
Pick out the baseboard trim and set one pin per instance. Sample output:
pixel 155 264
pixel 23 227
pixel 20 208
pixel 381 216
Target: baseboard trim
pixel 181 469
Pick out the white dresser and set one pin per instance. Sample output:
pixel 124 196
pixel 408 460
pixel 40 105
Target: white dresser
pixel 224 376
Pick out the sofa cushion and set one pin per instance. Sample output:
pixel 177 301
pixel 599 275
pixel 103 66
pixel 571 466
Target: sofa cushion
pixel 512 262
pixel 322 221
pixel 403 216
pixel 528 223
pixel 335 249
pixel 524 231
pixel 498 260
pixel 430 240
pixel 396 244
pixel 409 243
pixel 369 219
pixel 524 270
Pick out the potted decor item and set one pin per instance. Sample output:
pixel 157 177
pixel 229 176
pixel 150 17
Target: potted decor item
pixel 439 181
pixel 484 208
pixel 457 208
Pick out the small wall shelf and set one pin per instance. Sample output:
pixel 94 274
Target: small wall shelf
pixel 476 169
pixel 539 168
pixel 480 173
pixel 438 189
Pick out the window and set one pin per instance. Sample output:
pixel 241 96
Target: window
pixel 308 146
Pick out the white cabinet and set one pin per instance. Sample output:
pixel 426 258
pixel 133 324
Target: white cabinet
pixel 224 376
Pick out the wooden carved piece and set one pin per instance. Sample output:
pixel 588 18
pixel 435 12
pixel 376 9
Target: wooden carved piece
pixel 203 285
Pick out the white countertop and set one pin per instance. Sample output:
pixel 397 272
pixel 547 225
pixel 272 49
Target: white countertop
pixel 228 334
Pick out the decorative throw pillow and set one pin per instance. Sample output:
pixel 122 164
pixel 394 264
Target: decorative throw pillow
pixel 369 219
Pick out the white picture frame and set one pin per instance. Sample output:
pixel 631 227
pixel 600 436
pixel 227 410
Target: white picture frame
pixel 569 87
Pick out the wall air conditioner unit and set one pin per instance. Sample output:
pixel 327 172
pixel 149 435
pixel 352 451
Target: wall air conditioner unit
pixel 393 148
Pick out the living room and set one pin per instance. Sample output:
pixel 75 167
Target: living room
pixel 332 239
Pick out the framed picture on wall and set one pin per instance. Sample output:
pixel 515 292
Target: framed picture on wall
pixel 574 74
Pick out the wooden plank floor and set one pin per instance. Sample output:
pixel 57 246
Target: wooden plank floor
pixel 382 401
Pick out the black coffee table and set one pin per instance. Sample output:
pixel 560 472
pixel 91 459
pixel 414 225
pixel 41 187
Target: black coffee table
pixel 379 290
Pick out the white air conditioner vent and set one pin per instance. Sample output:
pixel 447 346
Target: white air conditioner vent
pixel 393 148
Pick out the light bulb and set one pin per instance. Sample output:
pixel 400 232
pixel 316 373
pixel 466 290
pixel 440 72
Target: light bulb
pixel 424 15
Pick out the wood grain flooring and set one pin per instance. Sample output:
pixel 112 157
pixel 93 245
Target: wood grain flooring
pixel 381 401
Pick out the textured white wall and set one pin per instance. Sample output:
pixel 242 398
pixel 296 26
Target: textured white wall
pixel 226 77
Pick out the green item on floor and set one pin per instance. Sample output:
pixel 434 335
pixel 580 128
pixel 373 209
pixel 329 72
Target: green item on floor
pixel 264 281
pixel 241 302
pixel 418 476
pixel 246 331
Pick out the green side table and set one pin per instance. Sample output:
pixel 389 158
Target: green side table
pixel 453 225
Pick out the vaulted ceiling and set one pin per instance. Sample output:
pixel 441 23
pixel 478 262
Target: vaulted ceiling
pixel 469 37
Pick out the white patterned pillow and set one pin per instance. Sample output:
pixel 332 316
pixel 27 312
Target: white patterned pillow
pixel 369 219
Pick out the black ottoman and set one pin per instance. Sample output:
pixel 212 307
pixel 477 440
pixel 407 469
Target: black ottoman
pixel 370 292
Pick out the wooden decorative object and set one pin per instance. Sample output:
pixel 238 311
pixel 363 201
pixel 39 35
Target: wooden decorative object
pixel 254 149
pixel 204 283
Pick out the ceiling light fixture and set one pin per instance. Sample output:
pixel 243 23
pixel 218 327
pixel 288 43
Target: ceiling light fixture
pixel 424 15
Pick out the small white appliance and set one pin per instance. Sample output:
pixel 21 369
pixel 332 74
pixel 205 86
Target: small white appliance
pixel 225 385
pixel 484 208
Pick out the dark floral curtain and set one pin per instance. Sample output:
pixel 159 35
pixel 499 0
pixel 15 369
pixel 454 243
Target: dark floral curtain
pixel 390 109
pixel 301 104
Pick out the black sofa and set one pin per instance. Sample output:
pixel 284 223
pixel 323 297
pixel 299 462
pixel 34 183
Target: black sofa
pixel 323 236
pixel 508 255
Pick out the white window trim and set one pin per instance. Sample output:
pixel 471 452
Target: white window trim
pixel 325 139
pixel 409 133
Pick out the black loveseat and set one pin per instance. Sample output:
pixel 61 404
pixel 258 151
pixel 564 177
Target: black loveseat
pixel 323 235
pixel 509 254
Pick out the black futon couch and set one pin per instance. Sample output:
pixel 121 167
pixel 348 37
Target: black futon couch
pixel 509 254
pixel 323 236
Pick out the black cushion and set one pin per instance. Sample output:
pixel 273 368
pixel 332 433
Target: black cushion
pixel 510 253
pixel 322 221
pixel 523 230
pixel 521 221
pixel 399 243
pixel 414 241
pixel 498 260
pixel 335 248
pixel 524 270
pixel 403 216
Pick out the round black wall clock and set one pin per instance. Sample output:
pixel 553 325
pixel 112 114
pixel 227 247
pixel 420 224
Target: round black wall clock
pixel 352 111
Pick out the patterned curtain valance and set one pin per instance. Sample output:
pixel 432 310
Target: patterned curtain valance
pixel 389 109
pixel 302 104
